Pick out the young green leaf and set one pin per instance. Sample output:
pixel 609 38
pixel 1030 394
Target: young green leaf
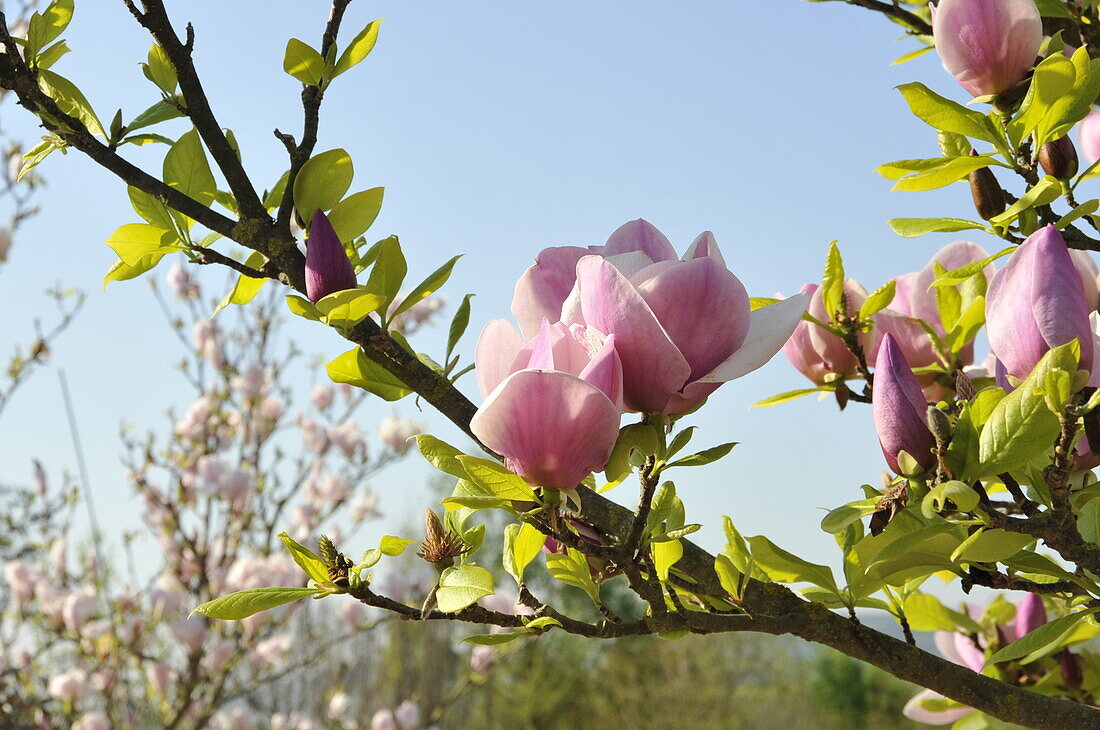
pixel 187 170
pixel 914 227
pixel 303 62
pixel 388 271
pixel 353 215
pixel 948 116
pixel 459 323
pixel 461 586
pixel 243 604
pixel 355 368
pixel 70 100
pixel 522 544
pixel 429 286
pixel 322 182
pixel 1040 638
pixel 160 70
pixel 360 46
pixel 306 559
pixel 832 282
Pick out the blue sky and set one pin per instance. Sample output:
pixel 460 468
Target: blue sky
pixel 499 128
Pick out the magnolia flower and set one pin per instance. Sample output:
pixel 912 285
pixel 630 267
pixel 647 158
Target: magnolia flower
pixel 817 353
pixel 1035 303
pixel 682 327
pixel 179 281
pixel 395 431
pixel 481 658
pixel 328 268
pixel 346 436
pixel 204 338
pixel 363 507
pixel 407 715
pixel 21 580
pixel 92 721
pixel 552 405
pixel 79 606
pixel 251 383
pixel 1088 135
pixel 321 397
pixel 191 632
pixel 338 705
pixel 987 45
pixel 961 649
pixel 383 720
pixel 273 650
pixel 1090 275
pixel 899 409
pixel 353 614
pixel 69 685
pixel 160 677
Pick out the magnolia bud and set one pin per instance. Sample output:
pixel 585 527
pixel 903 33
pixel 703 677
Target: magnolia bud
pixel 1071 670
pixel 989 197
pixel 939 424
pixel 1059 158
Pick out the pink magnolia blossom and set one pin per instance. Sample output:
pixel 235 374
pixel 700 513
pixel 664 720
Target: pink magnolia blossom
pixel 69 685
pixel 407 715
pixel 346 436
pixel 321 397
pixel 273 650
pixel 552 405
pixel 634 287
pixel 1037 302
pixel 191 632
pixel 338 705
pixel 817 353
pixel 92 721
pixel 1088 136
pixel 79 606
pixel 250 384
pixel 395 431
pixel 180 283
pixel 987 45
pixel 384 720
pixel 362 507
pixel 21 580
pixel 160 677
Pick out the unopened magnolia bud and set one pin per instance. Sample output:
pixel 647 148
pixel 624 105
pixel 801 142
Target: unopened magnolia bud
pixel 989 197
pixel 1071 670
pixel 964 386
pixel 939 424
pixel 1059 158
pixel 439 547
pixel 433 528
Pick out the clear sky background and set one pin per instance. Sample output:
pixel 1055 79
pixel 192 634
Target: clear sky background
pixel 499 128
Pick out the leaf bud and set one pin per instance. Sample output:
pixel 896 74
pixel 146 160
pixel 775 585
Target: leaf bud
pixel 939 424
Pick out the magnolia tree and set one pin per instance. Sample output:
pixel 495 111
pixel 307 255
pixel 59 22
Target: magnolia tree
pixel 609 352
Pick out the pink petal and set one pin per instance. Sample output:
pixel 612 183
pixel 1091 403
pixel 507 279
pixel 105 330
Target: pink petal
pixel 568 353
pixel 916 713
pixel 605 371
pixel 770 327
pixel 542 353
pixel 640 235
pixel 704 245
pixel 553 429
pixel 703 307
pixel 945 643
pixel 987 45
pixel 653 368
pixel 497 348
pixel 543 288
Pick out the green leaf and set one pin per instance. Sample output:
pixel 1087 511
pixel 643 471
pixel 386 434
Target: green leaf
pixel 791 395
pixel 441 455
pixel 40 152
pixel 187 170
pixel 963 453
pixel 70 100
pixel 948 116
pixel 134 241
pixel 948 171
pixel 914 227
pixel 1088 521
pixel 151 209
pixel 121 271
pixel 961 274
pixel 52 55
pixel 459 322
pixel 43 28
pixel 159 112
pixel 302 307
pixel 160 70
pixel 522 544
pixel 707 456
pixel 495 639
pixel 360 46
pixel 303 62
pixel 990 546
pixel 495 479
pixel 243 604
pixel 832 282
pixel 926 613
pixel 736 549
pixel 572 569
pixel 960 493
pixel 1022 427
pixel 785 567
pixel 878 300
pixel 1045 635
pixel 388 271
pixel 665 555
pixel 429 286
pixel 900 168
pixel 245 288
pixel 345 309
pixel 634 437
pixel 1044 192
pixel 306 559
pixel 322 182
pixel 838 519
pixel 461 586
pixel 353 215
pixel 355 368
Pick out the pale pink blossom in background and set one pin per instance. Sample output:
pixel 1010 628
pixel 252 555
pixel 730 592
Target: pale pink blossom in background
pixel 395 431
pixel 481 658
pixel 180 283
pixel 271 409
pixel 338 705
pixel 347 437
pixel 92 721
pixel 59 548
pixel 250 384
pixel 79 606
pixel 21 580
pixel 220 655
pixel 407 715
pixel 160 676
pixel 314 437
pixel 363 507
pixel 273 650
pixel 321 397
pixel 69 685
pixel 353 614
pixel 383 720
pixel 191 632
pixel 204 338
